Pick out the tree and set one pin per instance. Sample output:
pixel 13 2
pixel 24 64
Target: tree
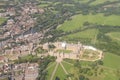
pixel 81 77
pixel 57 78
pixel 51 46
pixel 100 62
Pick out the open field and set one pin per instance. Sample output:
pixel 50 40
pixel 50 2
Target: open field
pixel 60 73
pixel 78 21
pixel 114 35
pixel 50 69
pixel 111 60
pixel 44 4
pixel 110 66
pixel 87 34
pixel 67 66
pixel 64 51
pixel 90 33
pixel 101 1
pixel 83 1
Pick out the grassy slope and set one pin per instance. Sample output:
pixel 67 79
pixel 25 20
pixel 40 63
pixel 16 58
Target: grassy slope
pixel 78 20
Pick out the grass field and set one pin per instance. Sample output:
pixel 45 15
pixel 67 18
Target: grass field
pixel 111 60
pixel 44 4
pixel 87 34
pixel 78 20
pixel 2 20
pixel 60 73
pixel 101 1
pixel 50 69
pixel 67 66
pixel 64 51
pixel 114 35
pixel 110 66
pixel 83 1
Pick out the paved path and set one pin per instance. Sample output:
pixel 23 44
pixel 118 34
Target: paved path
pixel 51 65
pixel 65 70
pixel 54 71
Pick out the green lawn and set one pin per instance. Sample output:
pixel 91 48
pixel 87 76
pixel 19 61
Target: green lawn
pixel 68 5
pixel 81 1
pixel 111 60
pixel 60 73
pixel 78 20
pixel 90 33
pixel 109 73
pixel 114 35
pixel 2 20
pixel 50 69
pixel 44 4
pixel 67 66
pixel 64 51
pixel 87 34
pixel 111 64
pixel 101 1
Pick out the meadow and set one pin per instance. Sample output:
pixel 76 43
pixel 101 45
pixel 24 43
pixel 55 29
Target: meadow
pixel 78 21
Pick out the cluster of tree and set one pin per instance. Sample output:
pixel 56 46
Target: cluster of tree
pixel 105 42
pixel 29 58
pixel 92 69
pixel 40 50
pixel 43 63
pixel 102 8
